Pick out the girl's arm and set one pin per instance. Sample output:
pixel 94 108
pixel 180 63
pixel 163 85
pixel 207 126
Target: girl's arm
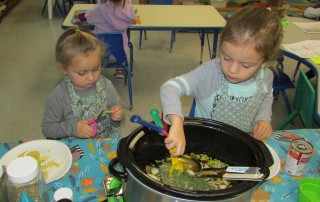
pixel 262 127
pixel 265 109
pixel 94 16
pixel 56 122
pixel 113 103
pixel 199 83
pixel 190 84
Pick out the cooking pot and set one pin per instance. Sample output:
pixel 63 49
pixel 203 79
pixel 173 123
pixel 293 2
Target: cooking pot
pixel 225 142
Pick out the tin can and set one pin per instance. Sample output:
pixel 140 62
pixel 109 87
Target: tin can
pixel 298 157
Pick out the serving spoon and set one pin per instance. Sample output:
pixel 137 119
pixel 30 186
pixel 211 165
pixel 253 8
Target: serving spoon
pixel 228 172
pixel 175 164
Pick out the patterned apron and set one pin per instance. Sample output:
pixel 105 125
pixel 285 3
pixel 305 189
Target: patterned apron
pixel 91 106
pixel 238 114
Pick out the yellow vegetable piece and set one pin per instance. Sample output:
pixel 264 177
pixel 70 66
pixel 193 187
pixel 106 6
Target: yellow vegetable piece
pixel 42 161
pixel 35 155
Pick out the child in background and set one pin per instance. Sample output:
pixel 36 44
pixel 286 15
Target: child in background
pixel 113 16
pixel 237 87
pixel 84 93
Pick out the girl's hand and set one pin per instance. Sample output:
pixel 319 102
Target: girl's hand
pixel 84 130
pixel 262 130
pixel 117 113
pixel 176 136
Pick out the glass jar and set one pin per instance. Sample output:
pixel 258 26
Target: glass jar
pixel 25 175
pixel 3 184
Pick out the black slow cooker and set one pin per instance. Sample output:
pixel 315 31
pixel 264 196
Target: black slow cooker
pixel 227 143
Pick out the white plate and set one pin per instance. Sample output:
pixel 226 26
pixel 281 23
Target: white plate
pixel 56 156
pixel 275 168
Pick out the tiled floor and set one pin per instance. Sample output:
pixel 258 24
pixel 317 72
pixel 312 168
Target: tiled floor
pixel 29 73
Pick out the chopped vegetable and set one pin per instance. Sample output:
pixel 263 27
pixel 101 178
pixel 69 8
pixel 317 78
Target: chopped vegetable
pixel 188 180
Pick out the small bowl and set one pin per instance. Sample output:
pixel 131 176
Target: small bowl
pixel 309 190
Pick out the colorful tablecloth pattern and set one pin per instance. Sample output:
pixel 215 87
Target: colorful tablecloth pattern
pixel 284 187
pixel 91 158
pixel 89 167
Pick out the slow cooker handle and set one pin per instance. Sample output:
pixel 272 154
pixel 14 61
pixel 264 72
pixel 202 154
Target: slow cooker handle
pixel 266 152
pixel 116 173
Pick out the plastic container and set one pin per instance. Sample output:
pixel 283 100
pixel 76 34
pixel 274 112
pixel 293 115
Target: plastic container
pixel 309 190
pixel 3 184
pixel 63 195
pixel 25 175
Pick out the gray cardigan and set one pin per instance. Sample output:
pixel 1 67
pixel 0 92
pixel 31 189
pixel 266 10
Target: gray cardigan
pixel 58 120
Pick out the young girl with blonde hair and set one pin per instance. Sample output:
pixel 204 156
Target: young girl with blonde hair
pixel 84 93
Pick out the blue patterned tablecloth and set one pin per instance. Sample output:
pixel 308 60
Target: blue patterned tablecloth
pixel 88 170
pixel 89 167
pixel 284 187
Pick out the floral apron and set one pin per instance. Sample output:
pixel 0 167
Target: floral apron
pixel 91 106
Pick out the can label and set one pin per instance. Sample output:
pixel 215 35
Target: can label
pixel 298 157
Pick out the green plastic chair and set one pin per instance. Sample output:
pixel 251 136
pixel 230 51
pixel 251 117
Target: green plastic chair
pixel 304 101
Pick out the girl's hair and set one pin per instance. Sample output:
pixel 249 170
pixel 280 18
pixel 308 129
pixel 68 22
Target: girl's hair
pixel 77 41
pixel 259 25
pixel 117 2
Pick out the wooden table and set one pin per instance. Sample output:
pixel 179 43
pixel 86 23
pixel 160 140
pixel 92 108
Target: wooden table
pixel 170 18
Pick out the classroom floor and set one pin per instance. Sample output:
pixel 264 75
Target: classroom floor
pixel 29 73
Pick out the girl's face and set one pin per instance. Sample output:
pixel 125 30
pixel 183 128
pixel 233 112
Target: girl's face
pixel 84 70
pixel 239 62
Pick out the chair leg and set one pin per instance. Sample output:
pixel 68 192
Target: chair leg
pixel 131 57
pixel 44 7
pixel 128 80
pixel 64 6
pixel 59 7
pixel 70 4
pixel 286 100
pixel 145 35
pixel 287 120
pixel 296 71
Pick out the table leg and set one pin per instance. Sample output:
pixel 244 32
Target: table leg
pixel 202 44
pixel 50 9
pixel 215 44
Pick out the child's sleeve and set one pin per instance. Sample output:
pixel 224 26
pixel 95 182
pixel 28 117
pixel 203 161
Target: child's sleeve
pixel 58 120
pixel 94 17
pixel 112 99
pixel 198 83
pixel 170 94
pixel 122 18
pixel 265 110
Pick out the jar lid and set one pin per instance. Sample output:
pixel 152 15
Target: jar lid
pixel 63 194
pixel 22 170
